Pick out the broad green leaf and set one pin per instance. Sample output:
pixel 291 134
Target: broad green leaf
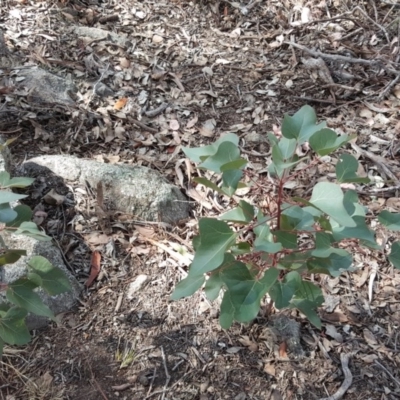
pixel 10 256
pixel 330 261
pixel 360 231
pixel 324 223
pixel 238 164
pixel 226 153
pixel 8 197
pixel 323 241
pixel 187 286
pixel 213 286
pixel 241 248
pixel 272 139
pixel 287 148
pixel 215 239
pixel 309 291
pixel 394 256
pixel 7 214
pixel 230 180
pixel 241 301
pixel 13 329
pixel 30 229
pixel 328 198
pixel 198 154
pixel 390 220
pixel 295 261
pixel 302 125
pixel 326 141
pixel 281 293
pixel 296 218
pixel 21 294
pixel 287 239
pixel 24 214
pixel 18 182
pixel 262 230
pixel 346 170
pixel 308 309
pixel 209 184
pixel 50 278
pixel 227 311
pixel 244 213
pixel 267 246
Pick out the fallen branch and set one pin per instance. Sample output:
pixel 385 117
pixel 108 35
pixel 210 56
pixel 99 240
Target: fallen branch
pixel 348 379
pixel 351 60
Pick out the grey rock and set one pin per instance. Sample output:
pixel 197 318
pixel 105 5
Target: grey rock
pixel 100 34
pixel 9 273
pixel 45 87
pixel 135 190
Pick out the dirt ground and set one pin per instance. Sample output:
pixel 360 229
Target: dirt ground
pixel 222 67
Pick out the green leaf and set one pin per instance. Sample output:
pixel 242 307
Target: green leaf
pixel 394 256
pixel 45 275
pixel 30 229
pixel 213 286
pixel 7 214
pixel 287 148
pixel 360 231
pixel 18 182
pixel 244 213
pixel 330 261
pixel 326 141
pixel 24 214
pixel 390 220
pixel 328 198
pixel 281 293
pixel 302 125
pixel 296 218
pixel 241 301
pixel 197 154
pixel 8 197
pixel 187 286
pixel 13 329
pixel 21 293
pixel 230 180
pixel 226 153
pixel 238 164
pixel 307 290
pixel 308 309
pixel 241 248
pixel 215 238
pixel 287 239
pixel 10 256
pixel 295 261
pixel 267 246
pixel 272 139
pixel 346 170
pixel 323 241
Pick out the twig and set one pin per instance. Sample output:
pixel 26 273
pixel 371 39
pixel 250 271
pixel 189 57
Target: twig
pixel 167 375
pixel 144 126
pixel 379 161
pixel 337 57
pixel 386 370
pixel 375 23
pixel 348 379
pixel 156 111
pixel 388 87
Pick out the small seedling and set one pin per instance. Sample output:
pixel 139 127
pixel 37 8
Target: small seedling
pixel 247 253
